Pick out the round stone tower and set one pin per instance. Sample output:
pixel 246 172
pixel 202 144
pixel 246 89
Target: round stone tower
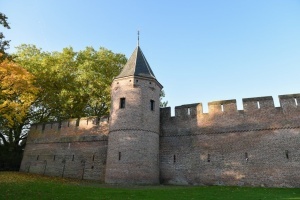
pixel 133 140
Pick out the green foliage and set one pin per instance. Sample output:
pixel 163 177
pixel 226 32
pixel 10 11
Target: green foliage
pixel 73 84
pixel 4 44
pixel 163 104
pixel 29 186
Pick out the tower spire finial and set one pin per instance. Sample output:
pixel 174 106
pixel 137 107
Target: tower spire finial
pixel 138 38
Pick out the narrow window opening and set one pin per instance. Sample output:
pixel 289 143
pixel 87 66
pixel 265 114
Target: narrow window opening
pixel 93 157
pixel 222 107
pixel 152 104
pixel 92 167
pixel 258 105
pixel 119 155
pixel 287 154
pixel 73 158
pixel 54 158
pixel 150 83
pixel 208 157
pixel 137 81
pixel 122 103
pixel 246 157
pixel 174 159
pixel 296 102
pixel 189 111
pixel 37 158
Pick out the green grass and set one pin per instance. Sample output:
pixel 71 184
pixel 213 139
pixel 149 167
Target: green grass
pixel 14 185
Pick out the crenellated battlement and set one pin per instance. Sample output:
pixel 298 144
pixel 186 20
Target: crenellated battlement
pixel 290 102
pixel 258 113
pixel 69 130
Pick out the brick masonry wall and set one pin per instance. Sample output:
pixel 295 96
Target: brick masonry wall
pixel 258 146
pixel 133 157
pixel 75 149
pixel 133 145
pixel 137 114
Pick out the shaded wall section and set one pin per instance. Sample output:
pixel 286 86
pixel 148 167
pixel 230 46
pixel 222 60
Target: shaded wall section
pixel 74 148
pixel 257 146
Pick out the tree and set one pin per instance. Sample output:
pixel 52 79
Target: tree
pixel 73 84
pixel 51 86
pixel 4 44
pixel 96 70
pixel 17 93
pixel 163 104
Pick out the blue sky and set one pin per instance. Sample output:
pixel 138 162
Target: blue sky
pixel 200 51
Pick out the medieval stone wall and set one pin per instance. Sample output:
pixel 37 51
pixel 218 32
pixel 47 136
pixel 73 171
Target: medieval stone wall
pixel 257 146
pixel 74 148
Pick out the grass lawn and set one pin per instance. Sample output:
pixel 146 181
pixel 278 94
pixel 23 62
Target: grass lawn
pixel 15 185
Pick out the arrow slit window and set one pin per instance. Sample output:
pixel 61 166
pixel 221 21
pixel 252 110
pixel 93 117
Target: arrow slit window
pixel 122 103
pixel 152 104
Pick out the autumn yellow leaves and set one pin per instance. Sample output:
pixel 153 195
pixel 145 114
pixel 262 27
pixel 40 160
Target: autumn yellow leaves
pixel 17 92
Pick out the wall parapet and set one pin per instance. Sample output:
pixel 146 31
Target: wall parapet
pixel 83 129
pixel 223 116
pixel 249 104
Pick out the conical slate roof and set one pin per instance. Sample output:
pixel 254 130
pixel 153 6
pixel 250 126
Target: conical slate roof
pixel 137 65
